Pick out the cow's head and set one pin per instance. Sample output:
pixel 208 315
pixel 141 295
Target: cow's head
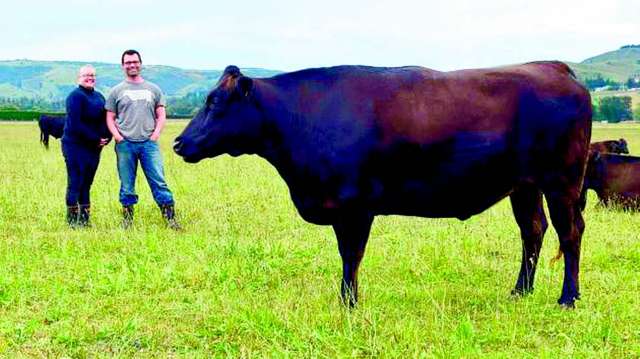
pixel 591 176
pixel 229 122
pixel 594 167
pixel 622 146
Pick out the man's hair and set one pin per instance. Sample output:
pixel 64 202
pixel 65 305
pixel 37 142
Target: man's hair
pixel 130 52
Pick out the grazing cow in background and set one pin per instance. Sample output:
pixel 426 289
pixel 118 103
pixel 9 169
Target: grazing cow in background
pixel 615 178
pixel 50 125
pixel 611 146
pixel 354 142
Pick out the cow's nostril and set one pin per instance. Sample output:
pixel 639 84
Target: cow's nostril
pixel 177 145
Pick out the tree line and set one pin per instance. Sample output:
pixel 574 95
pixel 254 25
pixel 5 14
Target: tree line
pixel 31 104
pixel 615 109
pixel 31 108
pixel 609 108
pixel 598 81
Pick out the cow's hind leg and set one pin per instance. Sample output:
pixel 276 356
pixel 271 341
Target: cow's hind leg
pixel 352 233
pixel 526 203
pixel 566 217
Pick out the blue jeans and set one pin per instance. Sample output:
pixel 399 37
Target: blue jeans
pixel 150 158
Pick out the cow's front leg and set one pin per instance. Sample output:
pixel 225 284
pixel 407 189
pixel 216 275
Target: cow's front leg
pixel 352 233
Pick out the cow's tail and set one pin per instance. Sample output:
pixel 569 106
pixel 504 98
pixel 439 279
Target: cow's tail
pixel 569 70
pixel 556 257
pixel 44 139
pixel 558 64
pixel 44 134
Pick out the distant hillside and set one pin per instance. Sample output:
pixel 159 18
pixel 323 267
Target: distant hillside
pixel 51 81
pixel 618 65
pixel 43 85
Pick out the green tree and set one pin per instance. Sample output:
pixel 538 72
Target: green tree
pixel 614 109
pixel 595 105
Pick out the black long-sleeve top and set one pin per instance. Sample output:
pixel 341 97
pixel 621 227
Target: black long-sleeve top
pixel 86 118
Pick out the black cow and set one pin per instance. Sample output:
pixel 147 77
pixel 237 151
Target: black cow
pixel 353 142
pixel 50 125
pixel 611 146
pixel 615 178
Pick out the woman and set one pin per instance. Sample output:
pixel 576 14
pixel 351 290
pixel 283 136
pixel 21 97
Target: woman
pixel 85 133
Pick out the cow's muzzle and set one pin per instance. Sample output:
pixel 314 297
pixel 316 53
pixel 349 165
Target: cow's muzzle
pixel 177 145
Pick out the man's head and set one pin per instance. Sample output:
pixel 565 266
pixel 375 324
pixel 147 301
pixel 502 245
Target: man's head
pixel 87 77
pixel 131 63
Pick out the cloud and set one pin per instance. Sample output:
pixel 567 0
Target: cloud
pixel 287 34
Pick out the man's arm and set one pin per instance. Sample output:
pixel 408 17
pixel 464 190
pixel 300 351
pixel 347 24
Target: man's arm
pixel 161 119
pixel 111 124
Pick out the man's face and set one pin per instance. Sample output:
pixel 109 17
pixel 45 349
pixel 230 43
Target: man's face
pixel 87 78
pixel 131 65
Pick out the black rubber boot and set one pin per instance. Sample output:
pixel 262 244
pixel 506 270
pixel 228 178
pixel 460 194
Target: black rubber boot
pixel 83 215
pixel 169 214
pixel 127 216
pixel 72 216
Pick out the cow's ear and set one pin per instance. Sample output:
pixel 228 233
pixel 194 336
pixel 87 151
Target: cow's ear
pixel 245 84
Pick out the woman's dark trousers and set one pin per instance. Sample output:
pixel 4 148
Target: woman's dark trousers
pixel 82 164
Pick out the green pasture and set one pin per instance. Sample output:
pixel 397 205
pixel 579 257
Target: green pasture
pixel 249 278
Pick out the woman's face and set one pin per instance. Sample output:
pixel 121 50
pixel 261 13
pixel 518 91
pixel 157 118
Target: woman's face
pixel 87 78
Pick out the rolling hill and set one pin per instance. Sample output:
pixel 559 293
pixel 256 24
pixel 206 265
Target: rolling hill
pixel 616 65
pixel 52 81
pixel 47 83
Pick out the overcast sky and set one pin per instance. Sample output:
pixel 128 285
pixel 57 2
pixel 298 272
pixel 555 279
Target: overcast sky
pixel 295 34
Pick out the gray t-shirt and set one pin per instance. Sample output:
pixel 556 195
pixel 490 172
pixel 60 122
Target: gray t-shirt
pixel 135 107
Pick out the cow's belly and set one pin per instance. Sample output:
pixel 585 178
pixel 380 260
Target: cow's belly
pixel 430 183
pixel 454 190
pixel 427 199
pixel 434 196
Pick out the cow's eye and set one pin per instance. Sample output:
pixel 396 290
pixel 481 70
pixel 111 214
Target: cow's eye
pixel 215 101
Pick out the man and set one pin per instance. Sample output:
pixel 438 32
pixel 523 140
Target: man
pixel 136 116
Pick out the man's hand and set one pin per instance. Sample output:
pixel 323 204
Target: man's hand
pixel 103 142
pixel 154 137
pixel 118 138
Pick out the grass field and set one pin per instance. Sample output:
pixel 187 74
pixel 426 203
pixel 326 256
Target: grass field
pixel 249 278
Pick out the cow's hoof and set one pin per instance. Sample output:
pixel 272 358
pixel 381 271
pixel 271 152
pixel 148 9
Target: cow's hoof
pixel 521 292
pixel 567 304
pixel 348 303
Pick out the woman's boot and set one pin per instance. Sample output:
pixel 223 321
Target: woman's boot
pixel 83 216
pixel 72 216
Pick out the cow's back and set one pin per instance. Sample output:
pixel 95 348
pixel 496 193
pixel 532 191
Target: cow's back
pixel 613 174
pixel 421 142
